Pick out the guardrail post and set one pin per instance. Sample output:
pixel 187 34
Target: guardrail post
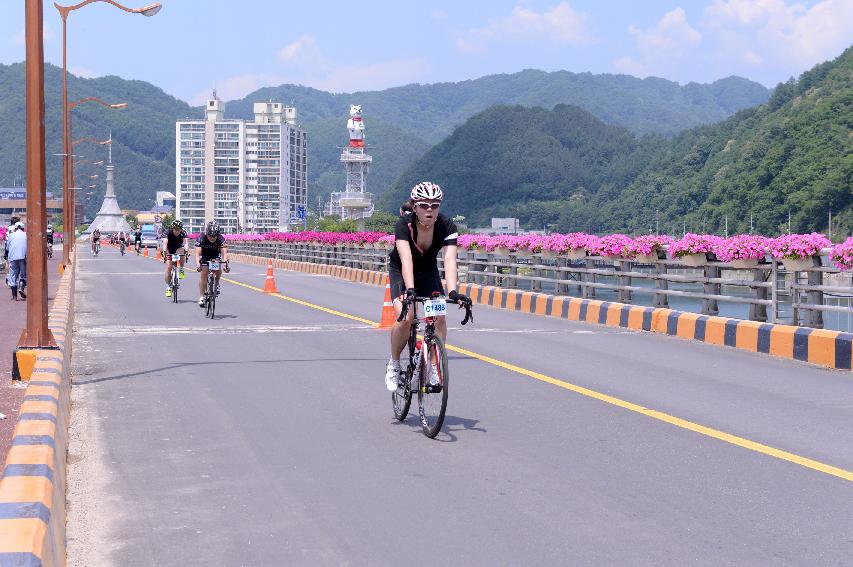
pixel 815 278
pixel 588 292
pixel 759 312
pixel 709 306
pixel 624 294
pixel 661 299
pixel 512 270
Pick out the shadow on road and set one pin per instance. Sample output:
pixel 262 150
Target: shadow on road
pixel 177 365
pixel 452 425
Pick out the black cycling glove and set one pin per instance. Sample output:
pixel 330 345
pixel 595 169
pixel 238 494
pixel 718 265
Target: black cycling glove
pixel 456 296
pixel 410 293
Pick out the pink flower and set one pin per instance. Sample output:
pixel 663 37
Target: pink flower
pixel 798 246
pixel 694 244
pixel 613 245
pixel 650 244
pixel 741 247
pixel 842 255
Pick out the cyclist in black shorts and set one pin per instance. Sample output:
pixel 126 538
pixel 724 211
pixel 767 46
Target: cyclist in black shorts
pixel 413 266
pixel 209 246
pixel 96 237
pixel 137 239
pixel 174 240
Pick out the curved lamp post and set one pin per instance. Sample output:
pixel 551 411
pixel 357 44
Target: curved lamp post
pixel 70 173
pixel 67 173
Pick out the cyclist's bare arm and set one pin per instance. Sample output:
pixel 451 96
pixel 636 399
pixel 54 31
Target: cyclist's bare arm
pixel 450 271
pixel 223 253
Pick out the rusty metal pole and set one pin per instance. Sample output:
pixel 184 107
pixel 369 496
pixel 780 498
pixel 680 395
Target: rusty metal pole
pixel 67 240
pixel 37 334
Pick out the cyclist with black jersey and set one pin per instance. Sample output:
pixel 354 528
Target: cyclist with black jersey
pixel 413 266
pixel 137 240
pixel 174 240
pixel 209 246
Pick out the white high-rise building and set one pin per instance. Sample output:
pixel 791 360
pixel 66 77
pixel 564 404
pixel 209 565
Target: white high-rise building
pixel 248 176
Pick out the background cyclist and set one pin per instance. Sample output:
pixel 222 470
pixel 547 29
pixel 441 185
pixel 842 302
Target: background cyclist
pixel 96 238
pixel 137 240
pixel 174 240
pixel 209 246
pixel 413 266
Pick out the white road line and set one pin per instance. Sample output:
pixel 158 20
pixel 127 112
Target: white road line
pixel 126 331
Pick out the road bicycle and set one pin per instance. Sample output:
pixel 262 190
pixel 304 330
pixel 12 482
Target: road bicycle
pixel 122 246
pixel 50 250
pixel 210 289
pixel 174 277
pixel 96 247
pixel 427 370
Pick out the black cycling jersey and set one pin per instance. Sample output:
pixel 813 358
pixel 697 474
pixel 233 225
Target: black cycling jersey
pixel 122 237
pixel 444 233
pixel 137 237
pixel 96 236
pixel 210 250
pixel 174 242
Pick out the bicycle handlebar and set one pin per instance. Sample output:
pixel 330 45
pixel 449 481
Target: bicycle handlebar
pixel 469 315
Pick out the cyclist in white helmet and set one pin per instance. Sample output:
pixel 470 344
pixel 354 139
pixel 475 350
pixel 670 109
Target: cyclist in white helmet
pixel 413 266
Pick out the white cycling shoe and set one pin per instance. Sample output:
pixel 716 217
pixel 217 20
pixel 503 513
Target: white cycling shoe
pixel 392 375
pixel 433 375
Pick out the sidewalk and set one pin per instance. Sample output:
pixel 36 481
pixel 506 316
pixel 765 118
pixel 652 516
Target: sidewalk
pixel 13 316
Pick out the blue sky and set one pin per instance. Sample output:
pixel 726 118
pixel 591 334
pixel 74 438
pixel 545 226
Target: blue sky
pixel 241 45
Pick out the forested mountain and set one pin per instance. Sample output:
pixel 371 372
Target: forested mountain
pixel 563 167
pixel 402 123
pixel 143 133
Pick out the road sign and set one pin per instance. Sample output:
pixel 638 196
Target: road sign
pixel 157 218
pixel 300 213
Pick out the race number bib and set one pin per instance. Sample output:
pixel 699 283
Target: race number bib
pixel 214 265
pixel 176 257
pixel 435 308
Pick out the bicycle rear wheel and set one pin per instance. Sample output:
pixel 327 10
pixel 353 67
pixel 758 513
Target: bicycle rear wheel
pixel 211 296
pixel 432 398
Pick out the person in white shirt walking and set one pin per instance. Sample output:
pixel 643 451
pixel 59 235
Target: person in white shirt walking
pixel 17 245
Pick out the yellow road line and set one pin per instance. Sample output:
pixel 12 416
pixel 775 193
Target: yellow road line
pixel 654 414
pixel 303 303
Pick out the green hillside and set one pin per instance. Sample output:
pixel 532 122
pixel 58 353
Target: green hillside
pixel 402 123
pixel 143 134
pixel 794 152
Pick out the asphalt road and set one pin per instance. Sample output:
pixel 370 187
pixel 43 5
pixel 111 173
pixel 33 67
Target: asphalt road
pixel 266 437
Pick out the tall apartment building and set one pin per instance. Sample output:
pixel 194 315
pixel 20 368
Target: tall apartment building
pixel 248 176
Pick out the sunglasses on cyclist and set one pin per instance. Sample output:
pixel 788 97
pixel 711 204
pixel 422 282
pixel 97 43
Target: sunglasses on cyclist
pixel 428 206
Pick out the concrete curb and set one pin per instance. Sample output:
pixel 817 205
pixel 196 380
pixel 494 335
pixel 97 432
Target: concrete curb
pixel 832 349
pixel 32 488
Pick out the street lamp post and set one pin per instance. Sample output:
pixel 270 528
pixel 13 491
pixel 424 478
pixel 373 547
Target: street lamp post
pixel 37 333
pixel 149 10
pixel 70 174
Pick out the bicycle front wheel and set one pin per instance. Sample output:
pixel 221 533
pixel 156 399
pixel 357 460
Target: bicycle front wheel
pixel 401 398
pixel 174 285
pixel 432 386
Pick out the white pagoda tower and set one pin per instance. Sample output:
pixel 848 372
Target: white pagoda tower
pixel 110 219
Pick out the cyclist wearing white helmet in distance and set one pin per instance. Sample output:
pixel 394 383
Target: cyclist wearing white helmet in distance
pixel 413 266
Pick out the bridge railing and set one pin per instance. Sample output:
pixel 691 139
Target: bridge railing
pixel 766 292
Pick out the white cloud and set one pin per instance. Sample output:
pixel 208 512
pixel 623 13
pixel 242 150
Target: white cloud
pixel 372 76
pixel 780 34
pixel 304 52
pixel 83 72
pixel 306 64
pixel 438 15
pixel 662 47
pixel 561 24
pixel 672 36
pixel 238 87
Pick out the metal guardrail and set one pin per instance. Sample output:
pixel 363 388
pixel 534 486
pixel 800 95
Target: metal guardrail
pixel 765 293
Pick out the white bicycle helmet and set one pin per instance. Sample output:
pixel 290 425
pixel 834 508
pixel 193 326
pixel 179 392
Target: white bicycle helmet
pixel 426 191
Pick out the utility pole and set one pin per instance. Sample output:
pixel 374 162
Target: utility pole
pixel 751 227
pixel 727 226
pixel 657 222
pixel 830 224
pixel 789 220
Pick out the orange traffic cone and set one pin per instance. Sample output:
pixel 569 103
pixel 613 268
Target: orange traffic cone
pixel 269 286
pixel 146 252
pixel 158 256
pixel 389 316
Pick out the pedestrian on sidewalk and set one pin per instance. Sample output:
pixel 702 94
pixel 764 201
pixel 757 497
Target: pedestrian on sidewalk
pixel 17 246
